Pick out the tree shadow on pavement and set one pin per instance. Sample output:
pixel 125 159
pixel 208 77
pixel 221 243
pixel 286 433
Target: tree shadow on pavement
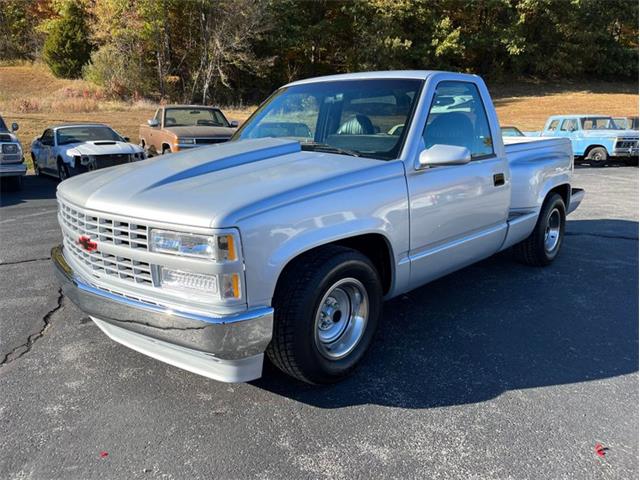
pixel 499 326
pixel 33 188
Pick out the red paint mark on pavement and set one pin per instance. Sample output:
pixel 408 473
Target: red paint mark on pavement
pixel 601 450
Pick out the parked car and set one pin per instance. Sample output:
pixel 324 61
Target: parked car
pixel 511 132
pixel 178 127
pixel 12 167
pixel 626 123
pixel 594 138
pixel 209 258
pixel 67 150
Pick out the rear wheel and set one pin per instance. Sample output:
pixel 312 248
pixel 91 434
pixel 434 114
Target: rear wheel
pixel 327 306
pixel 166 149
pixel 543 245
pixel 597 157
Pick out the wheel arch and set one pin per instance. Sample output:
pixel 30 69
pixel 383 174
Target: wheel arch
pixel 592 146
pixel 375 246
pixel 564 190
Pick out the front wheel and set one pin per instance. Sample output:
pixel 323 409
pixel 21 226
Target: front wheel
pixel 543 245
pixel 63 171
pixel 327 306
pixel 597 157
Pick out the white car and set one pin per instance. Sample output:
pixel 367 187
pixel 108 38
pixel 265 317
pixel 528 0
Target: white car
pixel 67 150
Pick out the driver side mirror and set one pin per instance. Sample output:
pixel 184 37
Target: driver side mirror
pixel 126 139
pixel 234 123
pixel 153 123
pixel 440 155
pixel 14 127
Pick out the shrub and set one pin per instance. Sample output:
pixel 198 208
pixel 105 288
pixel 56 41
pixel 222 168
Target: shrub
pixel 120 74
pixel 67 48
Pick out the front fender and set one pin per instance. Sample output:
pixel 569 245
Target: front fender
pixel 273 238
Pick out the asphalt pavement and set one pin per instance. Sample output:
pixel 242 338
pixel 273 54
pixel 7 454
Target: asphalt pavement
pixel 497 371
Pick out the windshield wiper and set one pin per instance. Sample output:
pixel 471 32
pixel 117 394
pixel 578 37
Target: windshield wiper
pixel 324 147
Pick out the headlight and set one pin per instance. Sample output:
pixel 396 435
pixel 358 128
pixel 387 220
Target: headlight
pixel 220 287
pixel 187 141
pixel 10 148
pixel 221 248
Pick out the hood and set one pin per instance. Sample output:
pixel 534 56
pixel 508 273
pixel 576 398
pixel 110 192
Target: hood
pixel 219 185
pixel 201 131
pixel 100 147
pixel 610 133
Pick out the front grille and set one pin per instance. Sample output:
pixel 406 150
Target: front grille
pixel 10 158
pixel 105 230
pixel 625 143
pixel 104 161
pixel 208 141
pixel 100 264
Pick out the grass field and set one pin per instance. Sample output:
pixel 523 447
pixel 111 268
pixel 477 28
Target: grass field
pixel 31 96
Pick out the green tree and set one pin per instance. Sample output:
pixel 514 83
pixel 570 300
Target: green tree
pixel 67 47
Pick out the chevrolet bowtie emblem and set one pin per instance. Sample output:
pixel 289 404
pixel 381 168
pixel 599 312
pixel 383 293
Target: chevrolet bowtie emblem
pixel 87 244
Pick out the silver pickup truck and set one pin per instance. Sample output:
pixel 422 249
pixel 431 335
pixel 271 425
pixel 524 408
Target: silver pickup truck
pixel 338 193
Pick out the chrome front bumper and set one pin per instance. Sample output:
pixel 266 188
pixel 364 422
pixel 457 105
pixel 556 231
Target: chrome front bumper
pixel 625 152
pixel 12 169
pixel 227 348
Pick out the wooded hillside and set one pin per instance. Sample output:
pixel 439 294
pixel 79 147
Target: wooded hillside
pixel 238 51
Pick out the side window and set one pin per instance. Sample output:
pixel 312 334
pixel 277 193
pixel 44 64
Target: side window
pixel 458 117
pixel 47 138
pixel 569 125
pixel 553 125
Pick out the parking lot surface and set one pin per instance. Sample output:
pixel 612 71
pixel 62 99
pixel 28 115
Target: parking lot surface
pixel 496 371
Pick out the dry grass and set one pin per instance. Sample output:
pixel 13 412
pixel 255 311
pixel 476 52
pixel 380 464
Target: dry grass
pixel 527 106
pixel 31 96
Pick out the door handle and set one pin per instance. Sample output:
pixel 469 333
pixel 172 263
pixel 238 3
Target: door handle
pixel 498 179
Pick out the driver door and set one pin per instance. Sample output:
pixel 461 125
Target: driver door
pixel 458 213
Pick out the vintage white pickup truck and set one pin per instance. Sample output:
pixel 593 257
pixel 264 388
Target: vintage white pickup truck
pixel 339 192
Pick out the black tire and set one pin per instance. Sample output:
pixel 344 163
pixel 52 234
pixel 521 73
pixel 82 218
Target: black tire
pixel 597 157
pixel 63 171
pixel 535 250
pixel 295 348
pixel 166 150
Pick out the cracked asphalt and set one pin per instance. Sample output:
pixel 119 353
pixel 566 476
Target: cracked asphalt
pixel 496 371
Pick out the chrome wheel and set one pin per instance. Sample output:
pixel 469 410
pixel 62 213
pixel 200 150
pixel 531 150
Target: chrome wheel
pixel 341 318
pixel 552 231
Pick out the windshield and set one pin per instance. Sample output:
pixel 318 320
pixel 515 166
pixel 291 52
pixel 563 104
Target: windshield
pixel 189 117
pixel 3 127
pixel 599 123
pixel 81 134
pixel 350 117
